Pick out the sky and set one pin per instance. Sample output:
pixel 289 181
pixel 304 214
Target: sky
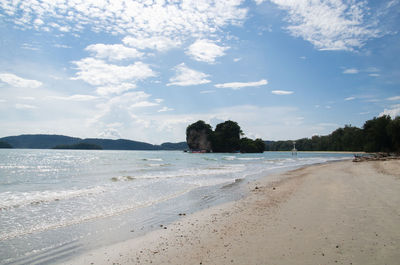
pixel 146 69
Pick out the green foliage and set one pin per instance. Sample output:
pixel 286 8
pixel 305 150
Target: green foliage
pixel 251 146
pixel 5 145
pixel 226 137
pixel 199 126
pixel 393 130
pixel 174 146
pixel 198 136
pixel 380 134
pixel 80 146
pixel 376 135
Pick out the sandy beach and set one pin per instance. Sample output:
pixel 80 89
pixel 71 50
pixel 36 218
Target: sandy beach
pixel 335 213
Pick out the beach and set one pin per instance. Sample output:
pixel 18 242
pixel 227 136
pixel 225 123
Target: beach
pixel 333 213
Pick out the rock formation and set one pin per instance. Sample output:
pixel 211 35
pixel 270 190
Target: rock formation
pixel 198 136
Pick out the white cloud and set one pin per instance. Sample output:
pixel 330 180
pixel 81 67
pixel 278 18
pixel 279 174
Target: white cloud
pixel 165 109
pixel 393 112
pixel 127 113
pixel 144 104
pixel 115 89
pixel 159 43
pixel 239 85
pixel 187 77
pixel 110 133
pixel 141 19
pixel 17 81
pixel 113 52
pixel 99 73
pixel 207 91
pixel 349 98
pixel 258 2
pixel 25 106
pixel 281 92
pixel 374 75
pixel 30 46
pixel 74 97
pixel 27 98
pixel 351 71
pixel 63 46
pixel 372 69
pixel 237 59
pixel 204 50
pixel 394 98
pixel 330 24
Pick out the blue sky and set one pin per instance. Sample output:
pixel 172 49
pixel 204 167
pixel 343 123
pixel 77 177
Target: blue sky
pixel 144 70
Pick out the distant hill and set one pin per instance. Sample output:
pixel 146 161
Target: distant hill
pixel 5 145
pixel 46 141
pixel 121 144
pixel 39 141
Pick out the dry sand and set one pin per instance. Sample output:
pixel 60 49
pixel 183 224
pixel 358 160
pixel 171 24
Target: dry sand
pixel 337 213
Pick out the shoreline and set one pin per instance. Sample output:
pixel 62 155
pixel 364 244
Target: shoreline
pixel 332 213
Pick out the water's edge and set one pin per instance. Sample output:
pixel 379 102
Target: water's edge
pixel 67 242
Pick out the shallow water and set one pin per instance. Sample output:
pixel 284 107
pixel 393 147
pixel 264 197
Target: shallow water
pixel 58 203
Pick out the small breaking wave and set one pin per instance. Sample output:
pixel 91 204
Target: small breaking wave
pixel 122 178
pixel 153 159
pixel 10 200
pixel 221 170
pixel 236 182
pixel 159 165
pixel 250 158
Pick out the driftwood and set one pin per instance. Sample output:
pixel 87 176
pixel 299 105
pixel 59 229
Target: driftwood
pixel 375 157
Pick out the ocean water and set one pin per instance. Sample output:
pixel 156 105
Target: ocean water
pixel 55 204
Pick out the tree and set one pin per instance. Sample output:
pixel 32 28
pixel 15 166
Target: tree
pixel 393 131
pixel 251 146
pixel 226 137
pixel 376 135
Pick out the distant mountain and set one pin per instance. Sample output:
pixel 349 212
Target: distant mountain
pixel 121 144
pixel 5 145
pixel 80 146
pixel 45 141
pixel 39 141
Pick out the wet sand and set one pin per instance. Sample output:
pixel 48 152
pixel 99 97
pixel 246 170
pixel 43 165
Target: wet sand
pixel 336 213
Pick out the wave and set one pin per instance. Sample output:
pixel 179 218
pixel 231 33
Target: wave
pixel 103 213
pixel 122 178
pixel 250 158
pixel 236 182
pixel 153 159
pixel 159 165
pixel 10 199
pixel 229 158
pixel 218 170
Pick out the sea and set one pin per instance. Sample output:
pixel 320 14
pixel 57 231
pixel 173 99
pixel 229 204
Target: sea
pixel 57 204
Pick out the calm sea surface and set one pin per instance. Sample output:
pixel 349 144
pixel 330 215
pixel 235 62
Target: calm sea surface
pixel 55 204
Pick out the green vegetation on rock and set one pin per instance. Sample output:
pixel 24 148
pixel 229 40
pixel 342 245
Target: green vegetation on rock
pixel 224 139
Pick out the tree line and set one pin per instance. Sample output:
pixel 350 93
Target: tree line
pixel 226 138
pixel 380 134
